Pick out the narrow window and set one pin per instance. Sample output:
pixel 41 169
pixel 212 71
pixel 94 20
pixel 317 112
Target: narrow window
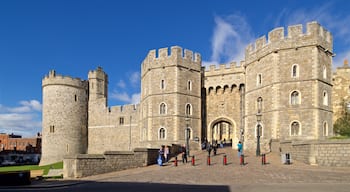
pixel 161 133
pixel 188 109
pixel 295 129
pixel 162 109
pixel 324 72
pixel 121 120
pixel 162 84
pixel 259 80
pixel 189 85
pixel 325 129
pixel 325 98
pixel 75 97
pixel 295 71
pixel 294 98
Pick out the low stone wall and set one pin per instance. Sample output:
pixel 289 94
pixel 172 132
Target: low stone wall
pixel 83 165
pixel 323 152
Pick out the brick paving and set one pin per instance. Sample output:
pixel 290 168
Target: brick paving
pixel 253 172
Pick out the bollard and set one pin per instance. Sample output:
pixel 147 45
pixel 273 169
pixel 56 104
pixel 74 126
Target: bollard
pixel 175 161
pixel 193 161
pixel 263 159
pixel 225 160
pixel 242 159
pixel 208 160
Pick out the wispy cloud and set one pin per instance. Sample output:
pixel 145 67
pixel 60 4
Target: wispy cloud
pixel 24 120
pixel 328 16
pixel 123 91
pixel 125 97
pixel 231 35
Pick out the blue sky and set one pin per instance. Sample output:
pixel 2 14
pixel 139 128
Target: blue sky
pixel 73 37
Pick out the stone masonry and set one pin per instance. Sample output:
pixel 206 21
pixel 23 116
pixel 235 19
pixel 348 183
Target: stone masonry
pixel 285 78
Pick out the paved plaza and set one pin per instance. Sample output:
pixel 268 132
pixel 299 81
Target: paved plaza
pixel 253 176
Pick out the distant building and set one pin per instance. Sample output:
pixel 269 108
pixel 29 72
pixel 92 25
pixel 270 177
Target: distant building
pixel 12 143
pixel 285 78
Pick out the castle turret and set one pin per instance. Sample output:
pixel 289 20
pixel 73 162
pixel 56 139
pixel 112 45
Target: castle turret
pixel 170 96
pixel 64 126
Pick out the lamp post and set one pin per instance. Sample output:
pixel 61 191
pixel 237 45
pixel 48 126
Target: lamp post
pixel 258 133
pixel 187 135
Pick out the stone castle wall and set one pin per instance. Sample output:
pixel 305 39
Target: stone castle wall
pixel 324 153
pixel 64 126
pixel 341 90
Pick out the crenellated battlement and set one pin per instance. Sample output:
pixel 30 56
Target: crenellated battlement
pixel 223 69
pixel 124 109
pixel 56 79
pixel 175 56
pixel 277 40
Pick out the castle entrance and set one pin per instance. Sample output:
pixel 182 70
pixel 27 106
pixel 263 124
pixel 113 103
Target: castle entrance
pixel 222 131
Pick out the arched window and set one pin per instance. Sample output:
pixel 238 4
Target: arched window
pixel 294 98
pixel 325 98
pixel 259 104
pixel 295 129
pixel 189 85
pixel 162 109
pixel 188 109
pixel 324 72
pixel 325 129
pixel 295 71
pixel 162 134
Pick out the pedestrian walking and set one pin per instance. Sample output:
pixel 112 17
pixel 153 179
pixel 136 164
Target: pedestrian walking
pixel 166 153
pixel 184 154
pixel 239 148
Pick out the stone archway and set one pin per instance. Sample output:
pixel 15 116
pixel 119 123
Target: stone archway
pixel 222 130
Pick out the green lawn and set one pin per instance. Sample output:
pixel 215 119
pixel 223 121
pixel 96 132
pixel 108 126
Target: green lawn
pixel 46 168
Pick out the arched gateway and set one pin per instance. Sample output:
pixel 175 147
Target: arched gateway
pixel 222 130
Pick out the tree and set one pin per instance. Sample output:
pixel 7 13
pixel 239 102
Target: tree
pixel 342 125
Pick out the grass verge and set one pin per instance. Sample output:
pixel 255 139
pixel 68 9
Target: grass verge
pixel 46 168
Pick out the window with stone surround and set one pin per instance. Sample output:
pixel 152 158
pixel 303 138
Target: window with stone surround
pixel 325 128
pixel 295 71
pixel 295 129
pixel 121 120
pixel 325 98
pixel 189 85
pixel 162 84
pixel 295 98
pixel 162 134
pixel 162 109
pixel 52 128
pixel 259 79
pixel 324 72
pixel 188 109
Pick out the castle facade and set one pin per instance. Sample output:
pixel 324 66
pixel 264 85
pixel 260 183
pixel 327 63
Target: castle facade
pixel 286 80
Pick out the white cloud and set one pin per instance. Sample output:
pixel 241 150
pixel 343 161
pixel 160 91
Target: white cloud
pixel 121 84
pixel 125 97
pixel 328 16
pixel 231 35
pixel 135 78
pixel 24 120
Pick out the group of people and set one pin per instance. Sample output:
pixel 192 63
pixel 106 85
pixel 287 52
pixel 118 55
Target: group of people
pixel 163 155
pixel 164 151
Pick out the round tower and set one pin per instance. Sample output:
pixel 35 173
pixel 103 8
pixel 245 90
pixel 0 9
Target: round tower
pixel 64 124
pixel 171 97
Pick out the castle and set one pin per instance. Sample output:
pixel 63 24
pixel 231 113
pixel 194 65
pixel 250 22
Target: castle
pixel 286 80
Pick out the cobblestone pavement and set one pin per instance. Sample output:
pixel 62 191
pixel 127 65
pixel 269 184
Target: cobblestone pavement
pixel 253 172
pixel 253 176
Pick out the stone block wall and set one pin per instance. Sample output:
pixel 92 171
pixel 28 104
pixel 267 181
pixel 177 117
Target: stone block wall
pixel 335 153
pixel 83 165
